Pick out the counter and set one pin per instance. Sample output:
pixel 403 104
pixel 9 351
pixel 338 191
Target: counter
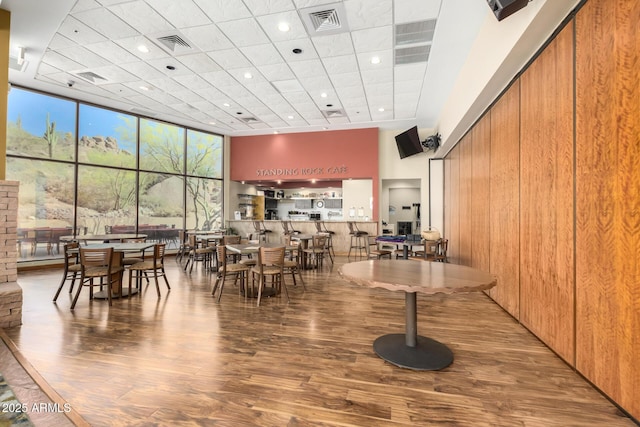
pixel 341 238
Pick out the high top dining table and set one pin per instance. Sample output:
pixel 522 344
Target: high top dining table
pixel 410 350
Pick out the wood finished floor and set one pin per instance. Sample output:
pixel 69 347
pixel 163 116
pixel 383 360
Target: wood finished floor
pixel 184 360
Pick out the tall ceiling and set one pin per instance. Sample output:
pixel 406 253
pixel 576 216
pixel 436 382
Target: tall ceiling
pixel 227 65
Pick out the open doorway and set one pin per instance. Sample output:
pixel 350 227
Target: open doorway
pixel 401 209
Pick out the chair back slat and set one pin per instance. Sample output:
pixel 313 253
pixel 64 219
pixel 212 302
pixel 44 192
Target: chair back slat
pixel 272 256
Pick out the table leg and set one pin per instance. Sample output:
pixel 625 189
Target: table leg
pixel 409 350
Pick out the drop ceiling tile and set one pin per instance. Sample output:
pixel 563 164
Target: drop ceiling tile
pixel 405 11
pixel 224 10
pixel 131 45
pixel 142 70
pixel 378 76
pixel 317 84
pixel 141 16
pixel 341 64
pixel 180 14
pixel 112 52
pixel 270 23
pixel 207 37
pixel 345 79
pixel 114 74
pixel 368 14
pixel 239 75
pixel 288 86
pixel 187 96
pixel 309 3
pixel 45 69
pixel 193 82
pixel 338 120
pixel 166 84
pixel 351 92
pixel 298 98
pixel 356 102
pixel 59 42
pixel 244 32
pixel 80 33
pixel 318 122
pixel 119 89
pixel 262 54
pixel 265 7
pixel 264 89
pixel 198 62
pixel 110 2
pixel 358 114
pixel 379 90
pixel 83 56
pixel 333 45
pixel 59 61
pixel 106 23
pixel 85 5
pixel 384 56
pixel 413 87
pixel 308 69
pixel 219 79
pixel 229 58
pixel 162 63
pixel 410 71
pixel 373 39
pixel 276 72
pixel 235 92
pixel 286 50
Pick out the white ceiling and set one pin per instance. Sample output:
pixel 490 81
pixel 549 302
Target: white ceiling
pixel 230 38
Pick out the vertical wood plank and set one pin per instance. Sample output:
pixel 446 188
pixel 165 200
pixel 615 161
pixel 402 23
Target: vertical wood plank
pixel 546 197
pixel 480 194
pixel 466 214
pixel 608 198
pixel 453 233
pixel 504 188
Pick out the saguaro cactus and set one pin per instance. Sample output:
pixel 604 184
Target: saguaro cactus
pixel 50 135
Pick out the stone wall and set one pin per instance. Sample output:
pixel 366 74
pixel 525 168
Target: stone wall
pixel 10 291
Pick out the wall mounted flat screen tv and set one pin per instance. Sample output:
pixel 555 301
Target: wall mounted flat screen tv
pixel 408 143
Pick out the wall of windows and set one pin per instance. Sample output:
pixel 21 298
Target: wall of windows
pixel 90 170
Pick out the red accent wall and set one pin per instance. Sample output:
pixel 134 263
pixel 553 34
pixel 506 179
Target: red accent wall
pixel 327 155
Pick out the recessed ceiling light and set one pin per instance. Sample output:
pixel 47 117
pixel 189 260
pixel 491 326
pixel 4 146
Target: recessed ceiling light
pixel 212 123
pixel 144 88
pixel 226 104
pixel 375 60
pixel 284 27
pixel 297 51
pixel 323 94
pixel 171 67
pixel 290 117
pixel 381 109
pixel 143 48
pixel 275 132
pixel 248 75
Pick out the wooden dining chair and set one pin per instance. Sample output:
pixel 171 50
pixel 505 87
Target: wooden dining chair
pixel 148 268
pixel 198 253
pixel 97 263
pixel 429 251
pixel 270 264
pixel 292 262
pixel 227 269
pixel 316 252
pixel 72 267
pixel 374 250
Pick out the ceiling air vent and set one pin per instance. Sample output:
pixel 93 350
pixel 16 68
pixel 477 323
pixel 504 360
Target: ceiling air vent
pixel 249 120
pixel 325 19
pixel 411 55
pixel 91 77
pixel 415 32
pixel 173 43
pixel 332 114
pixel 413 41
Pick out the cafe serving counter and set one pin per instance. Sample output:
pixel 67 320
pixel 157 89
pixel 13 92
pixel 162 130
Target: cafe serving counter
pixel 341 238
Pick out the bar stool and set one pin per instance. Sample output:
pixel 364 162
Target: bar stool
pixel 322 228
pixel 358 240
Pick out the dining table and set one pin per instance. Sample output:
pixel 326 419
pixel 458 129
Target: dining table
pixel 406 243
pixel 105 238
pixel 410 350
pixel 252 249
pixel 119 249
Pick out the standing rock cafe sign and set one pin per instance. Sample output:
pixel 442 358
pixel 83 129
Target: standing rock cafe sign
pixel 304 171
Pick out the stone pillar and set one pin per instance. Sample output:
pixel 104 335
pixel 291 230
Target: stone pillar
pixel 10 291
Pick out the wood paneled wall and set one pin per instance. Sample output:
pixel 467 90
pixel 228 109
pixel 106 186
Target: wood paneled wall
pixel 465 237
pixel 563 168
pixel 546 196
pixel 608 198
pixel 504 199
pixel 480 193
